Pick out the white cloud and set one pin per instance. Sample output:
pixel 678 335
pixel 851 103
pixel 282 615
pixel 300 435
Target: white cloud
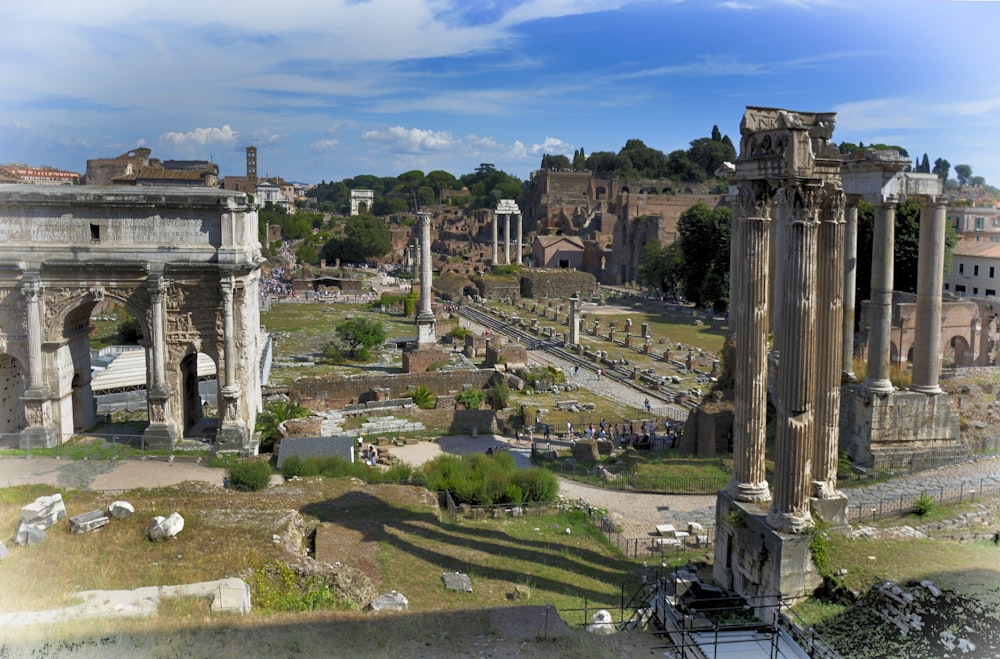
pixel 739 6
pixel 224 135
pixel 411 139
pixel 325 145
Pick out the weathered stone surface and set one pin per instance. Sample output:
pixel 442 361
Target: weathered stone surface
pixel 457 581
pixel 29 535
pixel 161 528
pixel 121 509
pixel 392 601
pixel 88 521
pixel 43 512
pixel 521 593
pixel 585 451
pixel 3 551
pixel 601 623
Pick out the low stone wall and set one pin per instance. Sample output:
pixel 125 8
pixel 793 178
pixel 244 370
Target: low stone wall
pixel 334 392
pixel 556 283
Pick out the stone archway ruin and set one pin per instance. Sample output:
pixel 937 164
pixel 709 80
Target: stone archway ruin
pixel 184 263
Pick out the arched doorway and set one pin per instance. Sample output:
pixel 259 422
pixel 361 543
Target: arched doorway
pixel 200 394
pixel 957 353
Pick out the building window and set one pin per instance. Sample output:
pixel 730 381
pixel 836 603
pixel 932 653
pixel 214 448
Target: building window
pixel 95 232
pixel 960 289
pixel 961 268
pixel 946 286
pixel 975 271
pixel 980 224
pixel 991 292
pixel 975 291
pixel 993 269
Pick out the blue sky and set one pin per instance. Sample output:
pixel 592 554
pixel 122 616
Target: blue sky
pixel 328 89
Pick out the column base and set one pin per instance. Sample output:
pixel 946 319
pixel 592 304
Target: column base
pixel 929 389
pixel 879 386
pixel 789 522
pixel 831 510
pixel 160 436
pixel 848 377
pixel 750 492
pixel 231 438
pixel 35 437
pixel 426 331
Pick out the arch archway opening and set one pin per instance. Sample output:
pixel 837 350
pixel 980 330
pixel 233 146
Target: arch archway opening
pixel 110 387
pixel 199 395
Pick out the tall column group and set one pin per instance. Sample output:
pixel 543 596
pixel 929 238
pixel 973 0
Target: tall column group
pixel 507 208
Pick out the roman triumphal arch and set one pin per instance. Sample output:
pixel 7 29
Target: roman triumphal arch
pixel 184 262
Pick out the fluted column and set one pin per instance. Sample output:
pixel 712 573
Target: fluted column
pixel 752 227
pixel 829 340
pixel 796 385
pixel 495 256
pixel 880 306
pixel 156 290
pixel 228 331
pixel 930 281
pixel 517 232
pixel 506 239
pixel 31 289
pixel 850 284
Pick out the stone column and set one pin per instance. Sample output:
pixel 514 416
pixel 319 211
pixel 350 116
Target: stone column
pixel 850 283
pixel 495 257
pixel 39 433
pixel 425 316
pixel 829 340
pixel 517 232
pixel 796 382
pixel 750 300
pixel 880 307
pixel 930 281
pixel 574 320
pixel 232 434
pixel 506 239
pixel 156 290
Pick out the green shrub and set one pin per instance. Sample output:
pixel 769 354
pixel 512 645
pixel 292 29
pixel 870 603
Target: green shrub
pixel 498 396
pixel 471 398
pixel 923 504
pixel 459 333
pixel 329 466
pixel 249 475
pixel 537 484
pixel 423 398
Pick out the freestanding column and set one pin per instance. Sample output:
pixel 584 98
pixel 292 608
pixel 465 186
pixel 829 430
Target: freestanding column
pixel 750 378
pixel 425 317
pixel 796 385
pixel 495 257
pixel 880 308
pixel 574 320
pixel 930 280
pixel 506 239
pixel 850 282
pixel 517 232
pixel 829 339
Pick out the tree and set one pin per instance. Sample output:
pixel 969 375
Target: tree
pixel 365 236
pixel 439 179
pixel 963 173
pixel 271 417
pixel 360 336
pixel 941 168
pixel 579 160
pixel 710 154
pixel 703 238
pixel 925 165
pixel 662 267
pixel 306 253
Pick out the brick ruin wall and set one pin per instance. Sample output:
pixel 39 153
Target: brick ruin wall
pixel 333 392
pixel 540 284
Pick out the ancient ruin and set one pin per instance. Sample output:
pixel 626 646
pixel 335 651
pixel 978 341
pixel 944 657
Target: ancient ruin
pixel 184 263
pixel 507 208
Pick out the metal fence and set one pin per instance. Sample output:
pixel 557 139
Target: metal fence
pixel 904 504
pixel 95 446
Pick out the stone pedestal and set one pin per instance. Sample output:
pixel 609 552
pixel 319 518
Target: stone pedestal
pixel 832 510
pixel 757 562
pixel 897 427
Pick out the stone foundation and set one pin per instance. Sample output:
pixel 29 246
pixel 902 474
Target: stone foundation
pixel 758 563
pixel 902 424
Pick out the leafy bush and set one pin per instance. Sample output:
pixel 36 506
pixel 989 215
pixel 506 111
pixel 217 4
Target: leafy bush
pixel 459 333
pixel 924 504
pixel 498 396
pixel 481 479
pixel 277 587
pixel 327 467
pixel 249 475
pixel 424 398
pixel 471 398
pixel 542 377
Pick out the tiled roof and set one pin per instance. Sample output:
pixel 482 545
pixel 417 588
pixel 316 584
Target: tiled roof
pixel 984 249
